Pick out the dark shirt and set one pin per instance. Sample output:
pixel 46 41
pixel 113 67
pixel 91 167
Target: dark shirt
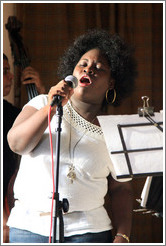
pixel 10 159
pixel 155 196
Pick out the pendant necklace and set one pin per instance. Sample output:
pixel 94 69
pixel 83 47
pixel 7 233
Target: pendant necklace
pixel 71 173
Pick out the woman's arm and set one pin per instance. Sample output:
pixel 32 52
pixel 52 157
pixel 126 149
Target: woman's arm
pixel 28 129
pixel 121 195
pixel 31 123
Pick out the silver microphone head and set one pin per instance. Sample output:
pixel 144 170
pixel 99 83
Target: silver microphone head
pixel 72 81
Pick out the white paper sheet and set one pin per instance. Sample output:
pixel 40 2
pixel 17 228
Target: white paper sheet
pixel 143 163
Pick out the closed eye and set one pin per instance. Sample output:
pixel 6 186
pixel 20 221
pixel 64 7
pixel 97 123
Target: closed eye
pixel 83 64
pixel 5 71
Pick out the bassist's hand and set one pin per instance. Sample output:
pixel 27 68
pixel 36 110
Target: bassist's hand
pixel 31 76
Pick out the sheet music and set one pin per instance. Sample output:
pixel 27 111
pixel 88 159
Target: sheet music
pixel 143 163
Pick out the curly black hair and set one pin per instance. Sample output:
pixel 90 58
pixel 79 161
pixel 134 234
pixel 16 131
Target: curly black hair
pixel 118 53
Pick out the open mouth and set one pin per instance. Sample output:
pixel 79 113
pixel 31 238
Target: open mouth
pixel 85 81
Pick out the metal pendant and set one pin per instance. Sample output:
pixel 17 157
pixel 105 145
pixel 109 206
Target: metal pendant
pixel 71 174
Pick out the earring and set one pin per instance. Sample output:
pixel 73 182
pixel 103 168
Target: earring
pixel 110 96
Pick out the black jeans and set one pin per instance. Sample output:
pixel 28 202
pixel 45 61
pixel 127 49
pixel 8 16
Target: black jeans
pixel 23 236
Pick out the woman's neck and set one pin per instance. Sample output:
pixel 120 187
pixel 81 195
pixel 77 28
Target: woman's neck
pixel 86 110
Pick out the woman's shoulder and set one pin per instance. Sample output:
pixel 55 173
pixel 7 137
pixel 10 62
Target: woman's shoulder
pixel 38 102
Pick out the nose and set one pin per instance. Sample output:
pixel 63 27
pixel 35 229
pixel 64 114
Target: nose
pixel 88 70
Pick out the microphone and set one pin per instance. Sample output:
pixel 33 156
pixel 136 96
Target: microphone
pixel 72 82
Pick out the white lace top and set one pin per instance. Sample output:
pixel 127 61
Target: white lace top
pixel 83 145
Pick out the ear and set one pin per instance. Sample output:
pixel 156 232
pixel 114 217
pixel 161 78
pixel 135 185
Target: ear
pixel 111 84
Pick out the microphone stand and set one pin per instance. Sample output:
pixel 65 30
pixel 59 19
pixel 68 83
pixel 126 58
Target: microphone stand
pixel 59 206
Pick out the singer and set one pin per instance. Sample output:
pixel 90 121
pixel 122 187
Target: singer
pixel 105 68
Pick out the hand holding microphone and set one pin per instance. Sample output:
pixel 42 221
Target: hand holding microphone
pixel 63 90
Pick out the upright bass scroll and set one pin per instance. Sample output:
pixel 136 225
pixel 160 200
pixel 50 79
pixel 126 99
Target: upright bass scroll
pixel 19 52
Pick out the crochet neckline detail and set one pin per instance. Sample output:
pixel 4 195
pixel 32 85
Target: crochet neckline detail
pixel 78 121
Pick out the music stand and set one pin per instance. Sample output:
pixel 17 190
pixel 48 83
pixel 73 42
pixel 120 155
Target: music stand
pixel 131 144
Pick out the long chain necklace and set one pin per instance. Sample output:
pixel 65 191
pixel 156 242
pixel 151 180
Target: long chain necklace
pixel 71 173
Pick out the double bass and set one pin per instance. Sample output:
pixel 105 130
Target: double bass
pixel 21 60
pixel 19 51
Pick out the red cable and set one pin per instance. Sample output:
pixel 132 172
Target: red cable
pixel 52 160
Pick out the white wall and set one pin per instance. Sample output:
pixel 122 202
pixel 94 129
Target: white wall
pixel 8 10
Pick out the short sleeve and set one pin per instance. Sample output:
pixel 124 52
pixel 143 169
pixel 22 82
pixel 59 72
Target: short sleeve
pixel 38 102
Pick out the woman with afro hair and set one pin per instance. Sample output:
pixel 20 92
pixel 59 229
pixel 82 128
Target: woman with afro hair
pixel 105 69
